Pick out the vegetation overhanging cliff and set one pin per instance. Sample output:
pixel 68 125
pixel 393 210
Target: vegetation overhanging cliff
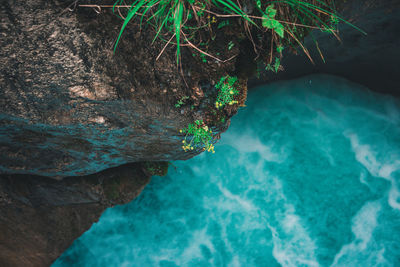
pixel 76 107
pixel 70 106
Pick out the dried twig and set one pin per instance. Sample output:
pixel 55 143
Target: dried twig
pixel 165 46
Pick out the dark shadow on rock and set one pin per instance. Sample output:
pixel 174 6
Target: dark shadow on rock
pixel 41 217
pixel 370 60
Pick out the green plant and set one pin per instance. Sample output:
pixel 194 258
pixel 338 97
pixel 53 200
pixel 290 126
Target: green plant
pixel 159 168
pixel 279 49
pixel 269 20
pixel 181 101
pixel 178 21
pixel 197 135
pixel 203 57
pixel 226 91
pixel 172 15
pixel 275 66
pixel 223 24
pixel 231 45
pixel 333 23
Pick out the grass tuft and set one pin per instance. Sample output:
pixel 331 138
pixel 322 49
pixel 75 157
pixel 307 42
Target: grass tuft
pixel 178 21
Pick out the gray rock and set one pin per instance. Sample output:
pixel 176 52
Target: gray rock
pixel 70 106
pixel 41 217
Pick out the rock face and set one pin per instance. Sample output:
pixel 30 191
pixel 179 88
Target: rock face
pixel 41 217
pixel 370 60
pixel 69 106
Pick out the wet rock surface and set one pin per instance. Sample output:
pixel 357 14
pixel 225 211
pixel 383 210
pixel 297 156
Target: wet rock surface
pixel 41 217
pixel 70 106
pixel 370 60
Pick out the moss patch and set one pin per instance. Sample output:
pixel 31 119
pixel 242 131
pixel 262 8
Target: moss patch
pixel 159 168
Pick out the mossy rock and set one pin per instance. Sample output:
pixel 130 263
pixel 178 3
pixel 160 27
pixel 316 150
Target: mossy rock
pixel 159 168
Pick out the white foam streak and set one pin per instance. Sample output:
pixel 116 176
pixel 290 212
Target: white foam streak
pixel 243 203
pixel 249 143
pixel 363 225
pixel 366 157
pixel 292 243
pixel 199 238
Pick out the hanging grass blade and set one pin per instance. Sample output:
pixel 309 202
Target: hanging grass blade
pixel 178 16
pixel 296 3
pixel 132 13
pixel 148 7
pixel 234 8
pixel 162 25
pixel 115 4
pixel 332 14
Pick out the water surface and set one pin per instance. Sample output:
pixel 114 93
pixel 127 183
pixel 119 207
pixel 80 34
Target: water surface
pixel 307 175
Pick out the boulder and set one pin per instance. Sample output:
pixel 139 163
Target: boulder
pixel 71 106
pixel 40 217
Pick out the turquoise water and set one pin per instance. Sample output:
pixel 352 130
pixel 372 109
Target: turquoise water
pixel 307 175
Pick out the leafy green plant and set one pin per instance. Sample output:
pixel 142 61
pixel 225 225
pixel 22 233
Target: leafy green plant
pixel 193 23
pixel 226 91
pixel 181 101
pixel 172 15
pixel 177 21
pixel 270 22
pixel 275 66
pixel 334 21
pixel 231 45
pixel 203 57
pixel 197 135
pixel 223 24
pixel 279 49
pixel 308 14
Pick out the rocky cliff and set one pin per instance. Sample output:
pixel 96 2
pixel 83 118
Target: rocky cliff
pixel 70 106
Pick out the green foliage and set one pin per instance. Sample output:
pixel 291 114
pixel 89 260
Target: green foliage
pixel 203 58
pixel 197 136
pixel 333 23
pixel 334 20
pixel 177 22
pixel 270 22
pixel 181 101
pixel 223 24
pixel 159 168
pixel 172 15
pixel 230 45
pixel 275 66
pixel 226 91
pixel 176 16
pixel 279 49
pixel 194 23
